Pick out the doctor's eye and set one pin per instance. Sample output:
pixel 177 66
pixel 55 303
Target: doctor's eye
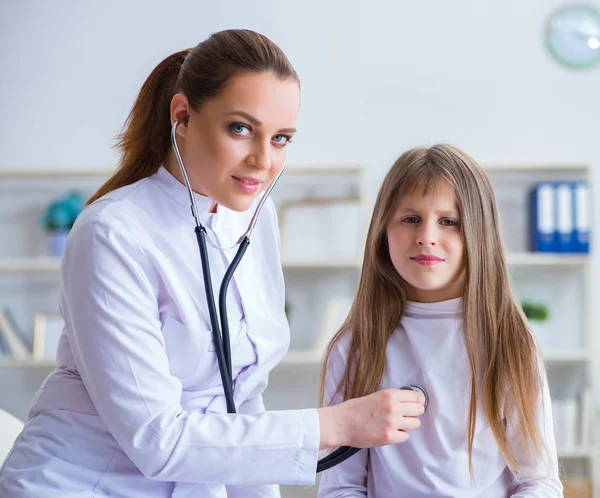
pixel 240 129
pixel 282 139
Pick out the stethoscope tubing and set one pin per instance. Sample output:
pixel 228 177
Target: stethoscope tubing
pixel 220 325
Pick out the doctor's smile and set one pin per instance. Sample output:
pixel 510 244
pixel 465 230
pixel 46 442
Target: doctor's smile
pixel 248 184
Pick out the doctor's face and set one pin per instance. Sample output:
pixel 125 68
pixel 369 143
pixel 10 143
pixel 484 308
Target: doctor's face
pixel 426 245
pixel 235 145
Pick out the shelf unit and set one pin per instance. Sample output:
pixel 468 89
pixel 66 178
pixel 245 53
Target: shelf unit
pixel 564 283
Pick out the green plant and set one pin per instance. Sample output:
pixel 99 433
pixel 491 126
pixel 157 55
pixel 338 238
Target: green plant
pixel 535 311
pixel 62 213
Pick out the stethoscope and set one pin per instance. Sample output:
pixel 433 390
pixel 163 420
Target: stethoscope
pixel 221 330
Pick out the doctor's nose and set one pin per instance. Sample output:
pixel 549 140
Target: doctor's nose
pixel 260 157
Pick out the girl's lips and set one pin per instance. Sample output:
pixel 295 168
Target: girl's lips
pixel 426 260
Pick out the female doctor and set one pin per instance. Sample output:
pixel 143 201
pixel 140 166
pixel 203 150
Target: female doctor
pixel 136 405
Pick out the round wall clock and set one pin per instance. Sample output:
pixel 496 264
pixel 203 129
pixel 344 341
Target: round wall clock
pixel 573 36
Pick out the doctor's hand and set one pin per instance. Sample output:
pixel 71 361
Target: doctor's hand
pixel 379 419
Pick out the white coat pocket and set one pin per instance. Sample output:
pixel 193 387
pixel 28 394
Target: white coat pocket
pixel 190 359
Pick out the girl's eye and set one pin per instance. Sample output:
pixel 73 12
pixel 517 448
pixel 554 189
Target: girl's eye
pixel 282 139
pixel 240 129
pixel 449 223
pixel 410 219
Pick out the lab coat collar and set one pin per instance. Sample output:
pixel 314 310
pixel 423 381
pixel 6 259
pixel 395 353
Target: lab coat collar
pixel 179 193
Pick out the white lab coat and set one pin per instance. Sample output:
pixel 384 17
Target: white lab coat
pixel 136 407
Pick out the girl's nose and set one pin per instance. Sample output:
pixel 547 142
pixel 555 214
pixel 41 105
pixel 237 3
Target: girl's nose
pixel 427 235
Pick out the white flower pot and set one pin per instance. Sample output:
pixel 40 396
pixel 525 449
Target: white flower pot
pixel 56 242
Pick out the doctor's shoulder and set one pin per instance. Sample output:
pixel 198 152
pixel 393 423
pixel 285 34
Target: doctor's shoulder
pixel 114 216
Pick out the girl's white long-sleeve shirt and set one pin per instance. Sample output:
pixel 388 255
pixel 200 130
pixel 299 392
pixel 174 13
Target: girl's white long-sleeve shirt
pixel 428 350
pixel 136 407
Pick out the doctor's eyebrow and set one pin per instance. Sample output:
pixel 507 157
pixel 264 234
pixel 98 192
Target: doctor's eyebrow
pixel 256 122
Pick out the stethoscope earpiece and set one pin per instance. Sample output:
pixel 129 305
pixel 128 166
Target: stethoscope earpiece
pixel 418 389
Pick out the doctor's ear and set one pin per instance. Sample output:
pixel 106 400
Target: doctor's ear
pixel 179 111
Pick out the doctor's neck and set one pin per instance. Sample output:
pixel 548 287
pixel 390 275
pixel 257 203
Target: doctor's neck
pixel 172 166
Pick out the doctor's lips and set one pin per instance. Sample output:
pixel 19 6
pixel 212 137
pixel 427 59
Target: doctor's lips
pixel 426 259
pixel 248 184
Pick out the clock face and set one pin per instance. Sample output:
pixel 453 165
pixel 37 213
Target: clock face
pixel 573 36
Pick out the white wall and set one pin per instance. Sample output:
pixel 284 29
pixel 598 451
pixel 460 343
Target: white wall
pixel 378 77
pixel 70 71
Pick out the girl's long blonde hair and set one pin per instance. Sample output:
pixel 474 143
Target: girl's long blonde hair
pixel 503 355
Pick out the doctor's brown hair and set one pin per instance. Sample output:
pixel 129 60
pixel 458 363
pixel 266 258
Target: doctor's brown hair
pixel 506 367
pixel 200 74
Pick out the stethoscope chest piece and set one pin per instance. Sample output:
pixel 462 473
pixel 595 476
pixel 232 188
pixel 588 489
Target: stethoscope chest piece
pixel 418 389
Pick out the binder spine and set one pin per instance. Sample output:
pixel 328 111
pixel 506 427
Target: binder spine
pixel 582 217
pixel 542 216
pixel 565 217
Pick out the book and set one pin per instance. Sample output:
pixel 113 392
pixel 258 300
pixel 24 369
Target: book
pixel 582 208
pixel 10 317
pixel 565 217
pixel 14 343
pixel 542 221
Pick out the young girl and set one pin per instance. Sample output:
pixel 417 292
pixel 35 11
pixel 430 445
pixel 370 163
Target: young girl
pixel 434 308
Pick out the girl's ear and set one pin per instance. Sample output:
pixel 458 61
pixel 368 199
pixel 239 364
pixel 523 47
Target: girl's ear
pixel 180 111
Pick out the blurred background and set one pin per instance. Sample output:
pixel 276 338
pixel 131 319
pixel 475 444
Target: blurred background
pixel 514 84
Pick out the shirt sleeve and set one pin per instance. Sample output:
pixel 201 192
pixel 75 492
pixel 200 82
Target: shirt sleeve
pixel 349 478
pixel 254 405
pixel 110 306
pixel 542 478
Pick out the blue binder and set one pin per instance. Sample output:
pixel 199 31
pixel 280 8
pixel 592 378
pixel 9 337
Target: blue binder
pixel 565 217
pixel 582 217
pixel 542 220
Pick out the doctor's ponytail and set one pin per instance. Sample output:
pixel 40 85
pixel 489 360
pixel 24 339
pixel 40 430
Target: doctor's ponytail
pixel 200 74
pixel 145 138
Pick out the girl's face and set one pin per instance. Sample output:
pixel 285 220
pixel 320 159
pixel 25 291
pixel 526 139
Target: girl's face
pixel 426 245
pixel 236 144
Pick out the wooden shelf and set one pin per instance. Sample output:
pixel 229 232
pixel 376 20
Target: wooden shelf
pixel 578 452
pixel 546 259
pixel 29 265
pixel 9 362
pixel 297 357
pixel 566 356
pixel 322 263
pixel 323 169
pixel 307 357
pixel 47 264
pixel 55 173
pixel 538 168
pixel 106 171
